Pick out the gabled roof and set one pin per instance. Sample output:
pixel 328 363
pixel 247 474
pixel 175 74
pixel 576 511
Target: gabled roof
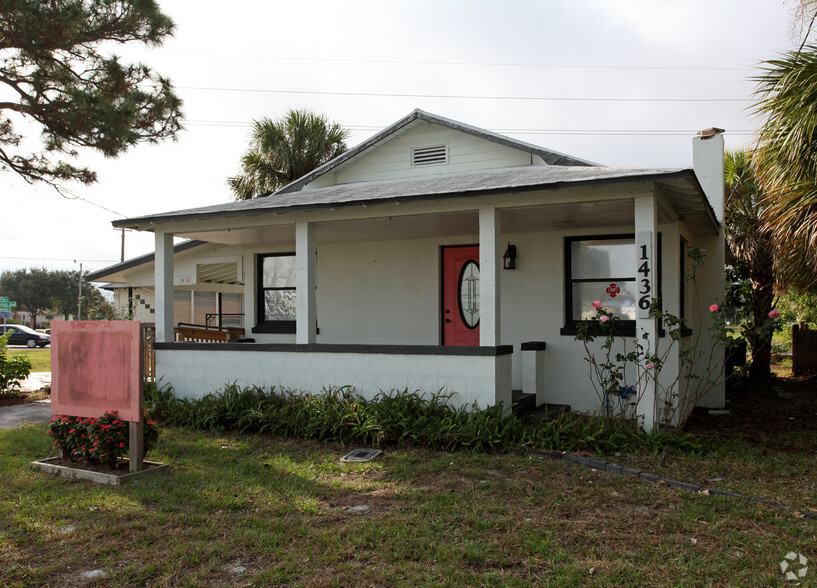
pixel 420 116
pixel 681 186
pixel 137 261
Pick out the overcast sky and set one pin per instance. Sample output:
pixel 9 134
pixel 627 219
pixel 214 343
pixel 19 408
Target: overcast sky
pixel 622 83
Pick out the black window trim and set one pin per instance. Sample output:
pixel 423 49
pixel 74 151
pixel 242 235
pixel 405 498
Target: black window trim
pixel 627 327
pixel 262 326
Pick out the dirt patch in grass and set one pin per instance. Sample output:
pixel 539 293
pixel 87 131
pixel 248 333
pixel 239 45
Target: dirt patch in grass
pixel 789 405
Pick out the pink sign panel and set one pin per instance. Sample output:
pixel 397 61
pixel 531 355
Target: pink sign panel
pixel 95 368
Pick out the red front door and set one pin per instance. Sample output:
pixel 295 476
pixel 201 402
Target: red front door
pixel 461 295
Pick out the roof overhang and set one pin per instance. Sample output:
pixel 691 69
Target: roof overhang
pixel 110 273
pixel 679 187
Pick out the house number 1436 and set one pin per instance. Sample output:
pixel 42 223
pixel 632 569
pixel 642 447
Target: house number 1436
pixel 644 274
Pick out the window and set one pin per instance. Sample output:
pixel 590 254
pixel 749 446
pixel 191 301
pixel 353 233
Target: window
pixel 182 306
pixel 600 268
pixel 603 268
pixel 232 307
pixel 205 307
pixel 275 293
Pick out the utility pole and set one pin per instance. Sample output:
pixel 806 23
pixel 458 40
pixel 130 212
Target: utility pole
pixel 122 254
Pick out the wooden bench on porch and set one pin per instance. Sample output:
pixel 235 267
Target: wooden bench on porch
pixel 203 334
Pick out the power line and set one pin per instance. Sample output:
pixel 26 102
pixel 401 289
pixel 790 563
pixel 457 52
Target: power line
pixel 459 96
pixel 75 197
pixel 466 63
pixel 74 259
pixel 619 132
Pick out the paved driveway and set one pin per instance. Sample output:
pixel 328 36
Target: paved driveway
pixel 20 414
pixel 32 412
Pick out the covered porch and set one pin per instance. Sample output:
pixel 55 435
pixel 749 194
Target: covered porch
pixel 367 294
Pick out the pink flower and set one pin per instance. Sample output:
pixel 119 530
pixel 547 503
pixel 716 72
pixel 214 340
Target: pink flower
pixel 714 308
pixel 71 431
pixel 597 305
pixel 121 445
pixel 604 318
pixel 649 366
pixel 775 314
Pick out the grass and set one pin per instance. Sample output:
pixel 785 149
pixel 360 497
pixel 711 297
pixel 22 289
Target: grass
pixel 283 511
pixel 40 358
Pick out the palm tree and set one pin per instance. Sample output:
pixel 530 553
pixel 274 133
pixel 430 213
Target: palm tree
pixel 750 238
pixel 283 150
pixel 786 160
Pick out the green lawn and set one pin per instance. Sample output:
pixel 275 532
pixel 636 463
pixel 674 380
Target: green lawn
pixel 283 510
pixel 40 358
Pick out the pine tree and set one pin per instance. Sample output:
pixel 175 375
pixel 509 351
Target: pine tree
pixel 57 77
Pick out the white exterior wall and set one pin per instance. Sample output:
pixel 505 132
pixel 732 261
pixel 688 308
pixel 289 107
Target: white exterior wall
pixel 141 307
pixel 477 380
pixel 388 292
pixel 393 160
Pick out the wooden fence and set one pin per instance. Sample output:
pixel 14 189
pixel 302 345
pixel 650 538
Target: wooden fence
pixel 803 350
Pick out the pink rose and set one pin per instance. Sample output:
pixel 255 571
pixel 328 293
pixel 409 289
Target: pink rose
pixel 604 318
pixel 775 314
pixel 649 366
pixel 597 305
pixel 714 308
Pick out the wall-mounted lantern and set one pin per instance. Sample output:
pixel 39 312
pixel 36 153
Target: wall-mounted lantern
pixel 509 258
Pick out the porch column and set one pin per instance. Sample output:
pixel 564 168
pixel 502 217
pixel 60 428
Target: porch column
pixel 489 256
pixel 646 287
pixel 305 281
pixel 163 282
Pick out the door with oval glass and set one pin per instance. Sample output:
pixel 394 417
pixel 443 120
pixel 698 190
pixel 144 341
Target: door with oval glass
pixel 460 295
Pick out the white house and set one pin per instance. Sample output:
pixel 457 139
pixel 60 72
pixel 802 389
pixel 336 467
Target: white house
pixel 208 288
pixel 383 269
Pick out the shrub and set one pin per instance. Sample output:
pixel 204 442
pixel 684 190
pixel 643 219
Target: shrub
pixel 12 370
pixel 98 440
pixel 398 418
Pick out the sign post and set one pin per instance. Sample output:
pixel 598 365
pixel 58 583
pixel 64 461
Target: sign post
pixel 5 307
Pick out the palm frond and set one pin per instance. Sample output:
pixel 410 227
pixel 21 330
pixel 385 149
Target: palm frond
pixel 283 150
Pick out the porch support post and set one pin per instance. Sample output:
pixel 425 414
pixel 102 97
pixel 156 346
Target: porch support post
pixel 646 328
pixel 305 281
pixel 489 255
pixel 163 282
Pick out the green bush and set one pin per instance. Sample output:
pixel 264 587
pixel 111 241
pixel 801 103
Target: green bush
pixel 14 370
pixel 98 440
pixel 398 418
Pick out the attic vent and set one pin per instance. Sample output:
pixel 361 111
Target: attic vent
pixel 429 155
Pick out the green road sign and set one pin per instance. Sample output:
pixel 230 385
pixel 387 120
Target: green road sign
pixel 4 298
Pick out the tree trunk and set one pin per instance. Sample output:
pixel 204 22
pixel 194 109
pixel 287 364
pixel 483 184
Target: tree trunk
pixel 762 278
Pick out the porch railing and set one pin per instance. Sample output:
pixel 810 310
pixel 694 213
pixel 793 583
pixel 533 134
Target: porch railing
pixel 214 319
